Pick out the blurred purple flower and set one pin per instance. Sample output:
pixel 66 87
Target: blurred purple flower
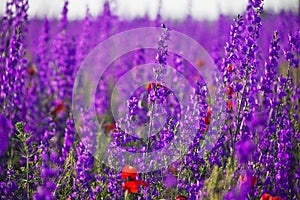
pixel 244 150
pixel 170 180
pixel 246 182
pixel 43 193
pixel 4 129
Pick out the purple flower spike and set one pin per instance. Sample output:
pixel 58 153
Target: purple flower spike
pixel 4 128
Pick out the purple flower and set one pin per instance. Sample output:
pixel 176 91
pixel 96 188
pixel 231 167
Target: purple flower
pixel 170 180
pixel 293 50
pixel 43 193
pixel 4 132
pixel 69 138
pixel 162 54
pixel 271 66
pixel 246 182
pixel 244 150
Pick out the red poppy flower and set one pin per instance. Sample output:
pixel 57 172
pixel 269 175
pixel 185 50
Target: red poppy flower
pixel 229 105
pixel 152 85
pixel 269 197
pixel 148 87
pixel 243 178
pixel 181 197
pixel 208 116
pixel 208 113
pixel 199 63
pixel 206 120
pixel 58 108
pixel 230 67
pixel 173 169
pixel 229 91
pixel 32 70
pixel 252 181
pixel 276 198
pixel 129 171
pixel 109 127
pixel 133 186
pixel 265 197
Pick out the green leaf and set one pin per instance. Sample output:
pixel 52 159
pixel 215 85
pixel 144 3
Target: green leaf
pixel 20 127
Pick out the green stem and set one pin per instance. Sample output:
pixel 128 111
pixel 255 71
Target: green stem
pixel 240 104
pixel 151 118
pixel 150 128
pixel 126 195
pixel 27 171
pixel 232 146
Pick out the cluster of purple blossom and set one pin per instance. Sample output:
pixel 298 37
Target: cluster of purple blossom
pixel 42 155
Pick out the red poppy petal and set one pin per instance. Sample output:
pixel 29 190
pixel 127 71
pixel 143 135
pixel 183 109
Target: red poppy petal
pixel 129 171
pixel 265 197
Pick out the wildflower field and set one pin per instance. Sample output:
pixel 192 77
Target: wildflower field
pixel 107 108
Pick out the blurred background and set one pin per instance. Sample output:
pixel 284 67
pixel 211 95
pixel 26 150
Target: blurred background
pixel 169 9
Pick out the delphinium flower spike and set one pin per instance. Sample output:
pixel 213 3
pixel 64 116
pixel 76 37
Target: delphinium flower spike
pixel 161 55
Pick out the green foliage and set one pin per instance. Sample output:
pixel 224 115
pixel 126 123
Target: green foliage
pixel 66 178
pixel 219 182
pixel 27 175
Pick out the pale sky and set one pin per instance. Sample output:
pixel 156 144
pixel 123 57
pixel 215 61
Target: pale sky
pixel 171 9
